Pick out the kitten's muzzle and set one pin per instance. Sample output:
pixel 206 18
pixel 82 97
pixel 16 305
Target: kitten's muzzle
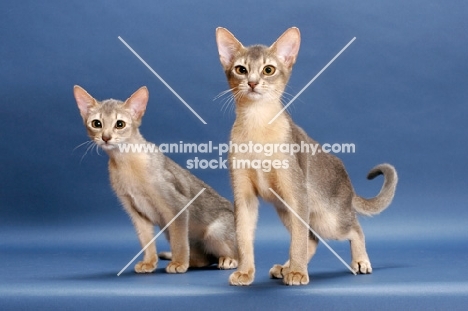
pixel 252 85
pixel 106 138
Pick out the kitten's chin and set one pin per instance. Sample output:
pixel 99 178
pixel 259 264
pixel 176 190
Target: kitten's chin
pixel 107 147
pixel 252 95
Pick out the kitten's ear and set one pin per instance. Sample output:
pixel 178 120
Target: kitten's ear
pixel 137 102
pixel 228 46
pixel 287 46
pixel 83 100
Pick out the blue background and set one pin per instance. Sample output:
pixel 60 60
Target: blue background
pixel 398 93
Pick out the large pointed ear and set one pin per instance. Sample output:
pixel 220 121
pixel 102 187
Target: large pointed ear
pixel 287 46
pixel 228 46
pixel 137 102
pixel 84 101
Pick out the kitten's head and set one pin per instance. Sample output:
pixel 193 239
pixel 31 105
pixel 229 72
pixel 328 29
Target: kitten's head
pixel 258 72
pixel 111 122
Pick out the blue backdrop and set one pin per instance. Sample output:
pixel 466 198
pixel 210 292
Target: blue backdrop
pixel 398 93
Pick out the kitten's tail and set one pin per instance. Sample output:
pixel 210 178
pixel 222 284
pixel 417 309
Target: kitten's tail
pixel 377 204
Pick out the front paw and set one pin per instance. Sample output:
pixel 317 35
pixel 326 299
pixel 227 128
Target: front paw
pixel 146 266
pixel 227 263
pixel 291 277
pixel 241 278
pixel 176 267
pixel 361 266
pixel 276 272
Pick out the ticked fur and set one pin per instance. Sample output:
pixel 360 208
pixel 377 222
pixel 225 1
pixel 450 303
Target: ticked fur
pixel 153 189
pixel 316 187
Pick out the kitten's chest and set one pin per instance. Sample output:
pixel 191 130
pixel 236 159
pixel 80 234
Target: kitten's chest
pixel 255 139
pixel 258 145
pixel 128 174
pixel 253 125
pixel 131 181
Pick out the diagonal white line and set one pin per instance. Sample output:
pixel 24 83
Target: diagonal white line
pixel 311 81
pixel 312 230
pixel 160 232
pixel 161 79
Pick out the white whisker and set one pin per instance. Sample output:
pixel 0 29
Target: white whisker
pixel 227 103
pixel 97 149
pixel 223 93
pixel 86 142
pixel 90 146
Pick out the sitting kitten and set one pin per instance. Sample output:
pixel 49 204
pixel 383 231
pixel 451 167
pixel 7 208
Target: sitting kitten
pixel 316 187
pixel 153 189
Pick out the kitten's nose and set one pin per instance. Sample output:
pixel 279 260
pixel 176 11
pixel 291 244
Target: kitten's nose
pixel 253 84
pixel 106 138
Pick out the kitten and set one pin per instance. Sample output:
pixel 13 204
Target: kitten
pixel 316 187
pixel 153 189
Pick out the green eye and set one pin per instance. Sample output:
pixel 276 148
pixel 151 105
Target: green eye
pixel 96 124
pixel 269 70
pixel 241 70
pixel 120 124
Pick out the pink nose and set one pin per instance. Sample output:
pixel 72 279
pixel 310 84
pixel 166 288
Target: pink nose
pixel 253 84
pixel 106 138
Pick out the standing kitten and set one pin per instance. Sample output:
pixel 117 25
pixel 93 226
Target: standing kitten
pixel 316 187
pixel 153 189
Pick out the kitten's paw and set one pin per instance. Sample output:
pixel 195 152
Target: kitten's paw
pixel 361 266
pixel 176 267
pixel 276 272
pixel 294 277
pixel 241 279
pixel 227 263
pixel 146 266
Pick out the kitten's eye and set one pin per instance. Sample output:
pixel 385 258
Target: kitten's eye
pixel 120 124
pixel 269 70
pixel 241 70
pixel 96 124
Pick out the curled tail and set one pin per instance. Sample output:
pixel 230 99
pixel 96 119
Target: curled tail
pixel 377 204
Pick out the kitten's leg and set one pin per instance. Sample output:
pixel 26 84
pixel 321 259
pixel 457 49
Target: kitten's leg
pixel 145 232
pixel 284 215
pixel 276 272
pixel 360 260
pixel 296 273
pixel 178 233
pixel 246 214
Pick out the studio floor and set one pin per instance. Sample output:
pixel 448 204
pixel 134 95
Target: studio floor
pixel 75 268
